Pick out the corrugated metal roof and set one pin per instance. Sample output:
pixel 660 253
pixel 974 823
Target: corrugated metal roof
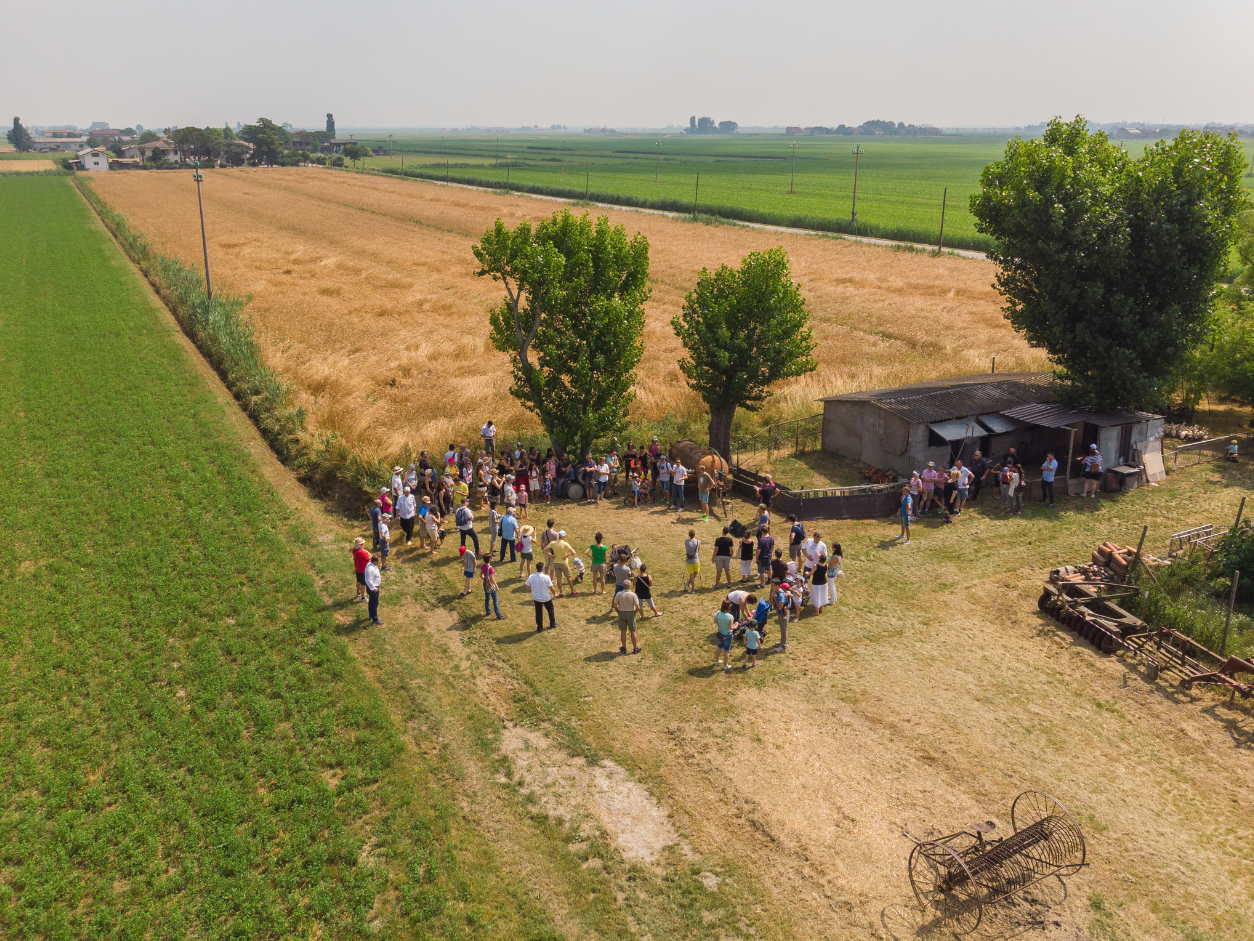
pixel 957 430
pixel 959 396
pixel 1060 416
pixel 997 424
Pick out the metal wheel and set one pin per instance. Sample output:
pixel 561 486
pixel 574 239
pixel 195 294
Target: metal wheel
pixel 944 887
pixel 1043 601
pixel 1064 849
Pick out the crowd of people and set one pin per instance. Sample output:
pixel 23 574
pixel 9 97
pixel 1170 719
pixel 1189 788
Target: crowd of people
pixel 945 491
pixel 427 503
pixel 424 500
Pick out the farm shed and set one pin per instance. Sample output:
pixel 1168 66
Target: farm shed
pixel 52 145
pixel 902 429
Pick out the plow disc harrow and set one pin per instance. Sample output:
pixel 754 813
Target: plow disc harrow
pixel 1091 614
pixel 954 877
pixel 1086 607
pixel 1191 662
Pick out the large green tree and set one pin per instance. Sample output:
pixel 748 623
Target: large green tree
pixel 19 137
pixel 572 320
pixel 269 141
pixel 1108 261
pixel 744 330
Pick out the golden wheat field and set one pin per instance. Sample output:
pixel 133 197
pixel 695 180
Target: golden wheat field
pixel 26 166
pixel 364 295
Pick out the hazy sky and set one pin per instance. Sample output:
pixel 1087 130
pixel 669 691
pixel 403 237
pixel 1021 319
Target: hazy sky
pixel 641 63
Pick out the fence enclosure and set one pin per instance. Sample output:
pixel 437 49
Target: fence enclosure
pixel 1212 449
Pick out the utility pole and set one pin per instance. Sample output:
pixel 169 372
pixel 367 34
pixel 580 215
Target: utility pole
pixel 586 176
pixel 853 217
pixel 696 196
pixel 941 244
pixel 204 244
pixel 391 149
pixel 657 161
pixel 792 170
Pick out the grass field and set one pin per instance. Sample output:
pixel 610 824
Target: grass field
pixel 364 294
pixel 900 180
pixel 188 748
pixel 929 696
pixel 651 795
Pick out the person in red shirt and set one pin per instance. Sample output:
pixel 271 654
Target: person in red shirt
pixel 361 558
pixel 385 501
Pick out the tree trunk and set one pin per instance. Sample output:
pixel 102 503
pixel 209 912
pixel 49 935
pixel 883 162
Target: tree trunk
pixel 720 430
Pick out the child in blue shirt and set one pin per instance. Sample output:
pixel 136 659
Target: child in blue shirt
pixel 752 637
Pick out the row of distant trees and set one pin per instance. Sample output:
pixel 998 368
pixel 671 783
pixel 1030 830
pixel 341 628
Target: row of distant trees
pixel 698 125
pixel 1110 263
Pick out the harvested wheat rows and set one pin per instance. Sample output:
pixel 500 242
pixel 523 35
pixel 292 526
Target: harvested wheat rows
pixel 365 297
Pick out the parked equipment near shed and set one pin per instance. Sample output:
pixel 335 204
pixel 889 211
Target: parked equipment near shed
pixel 955 876
pixel 1173 652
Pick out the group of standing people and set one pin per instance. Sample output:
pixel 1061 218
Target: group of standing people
pixel 948 490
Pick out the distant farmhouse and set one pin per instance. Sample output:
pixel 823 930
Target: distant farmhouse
pixel 93 159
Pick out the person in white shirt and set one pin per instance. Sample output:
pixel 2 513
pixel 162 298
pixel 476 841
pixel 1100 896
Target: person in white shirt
pixel 679 474
pixel 603 478
pixel 398 483
pixel 964 486
pixel 664 469
pixel 541 587
pixel 373 581
pixel 488 433
pixel 385 542
pixel 812 548
pixel 407 509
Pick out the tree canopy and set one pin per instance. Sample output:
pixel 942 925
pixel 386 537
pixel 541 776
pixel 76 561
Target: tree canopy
pixel 572 320
pixel 1106 261
pixel 355 152
pixel 19 137
pixel 743 330
pixel 269 141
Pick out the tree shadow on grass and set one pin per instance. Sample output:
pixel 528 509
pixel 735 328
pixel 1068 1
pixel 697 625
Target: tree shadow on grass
pixel 605 656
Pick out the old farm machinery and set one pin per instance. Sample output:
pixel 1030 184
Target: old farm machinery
pixel 956 876
pixel 1083 599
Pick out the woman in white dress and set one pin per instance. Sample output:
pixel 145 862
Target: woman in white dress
pixel 818 585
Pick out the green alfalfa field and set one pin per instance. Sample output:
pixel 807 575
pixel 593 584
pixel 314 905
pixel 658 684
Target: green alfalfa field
pixel 188 748
pixel 902 182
